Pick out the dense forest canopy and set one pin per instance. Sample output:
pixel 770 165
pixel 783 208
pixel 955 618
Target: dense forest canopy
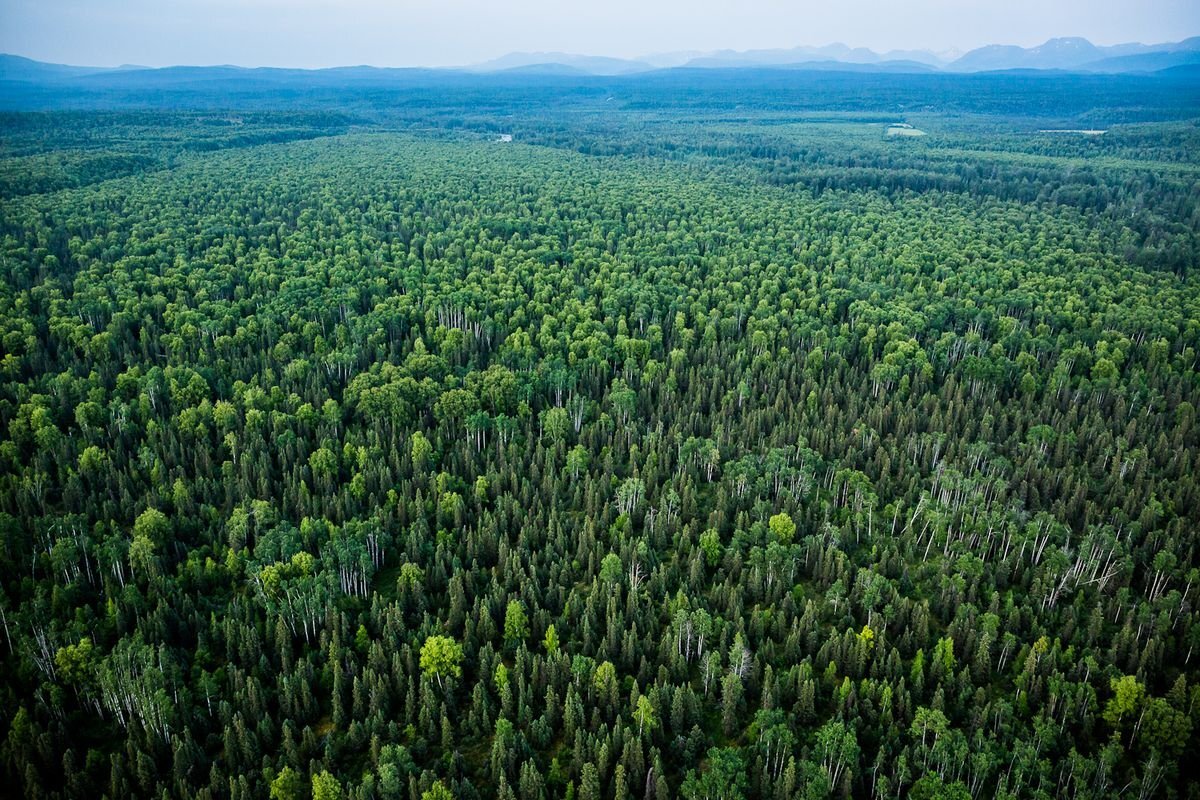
pixel 706 440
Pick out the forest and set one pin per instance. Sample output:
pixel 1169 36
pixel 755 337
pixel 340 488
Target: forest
pixel 703 441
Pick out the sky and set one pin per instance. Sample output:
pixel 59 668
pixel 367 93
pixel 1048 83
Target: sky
pixel 322 33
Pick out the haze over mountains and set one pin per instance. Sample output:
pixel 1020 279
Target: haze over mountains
pixel 1068 53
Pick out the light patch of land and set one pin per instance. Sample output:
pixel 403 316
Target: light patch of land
pixel 1080 131
pixel 904 130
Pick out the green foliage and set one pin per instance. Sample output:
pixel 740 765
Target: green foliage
pixel 555 424
pixel 151 524
pixel 838 750
pixel 92 460
pixel 288 785
pixel 1166 729
pixel 577 461
pixel 516 623
pixel 76 662
pixel 307 434
pixel 943 655
pixel 611 569
pixel 783 528
pixel 441 657
pixel 723 778
pixel 932 787
pixel 1126 702
pixel 323 463
pixel 644 714
pixel 605 679
pixel 142 559
pixel 710 545
pixel 326 787
pixel 437 792
pixel 421 451
pixel 866 637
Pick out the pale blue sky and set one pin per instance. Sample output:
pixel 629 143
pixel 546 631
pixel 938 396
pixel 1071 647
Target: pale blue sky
pixel 316 33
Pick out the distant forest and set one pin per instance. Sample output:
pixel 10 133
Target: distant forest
pixel 671 436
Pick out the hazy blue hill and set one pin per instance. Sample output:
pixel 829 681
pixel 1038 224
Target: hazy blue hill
pixel 1185 73
pixel 785 57
pixel 25 83
pixel 894 86
pixel 1078 53
pixel 549 68
pixel 881 66
pixel 1144 62
pixel 19 68
pixel 826 64
pixel 262 76
pixel 1063 53
pixel 182 74
pixel 594 65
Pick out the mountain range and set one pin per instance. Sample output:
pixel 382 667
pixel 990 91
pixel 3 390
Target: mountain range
pixel 1067 53
pixel 1073 54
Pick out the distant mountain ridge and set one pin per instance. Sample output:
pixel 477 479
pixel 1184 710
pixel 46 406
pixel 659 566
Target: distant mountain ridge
pixel 1067 53
pixel 1064 53
pixel 593 65
pixel 1073 53
pixel 798 55
pixel 16 68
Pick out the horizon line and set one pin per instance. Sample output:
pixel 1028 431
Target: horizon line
pixel 697 53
